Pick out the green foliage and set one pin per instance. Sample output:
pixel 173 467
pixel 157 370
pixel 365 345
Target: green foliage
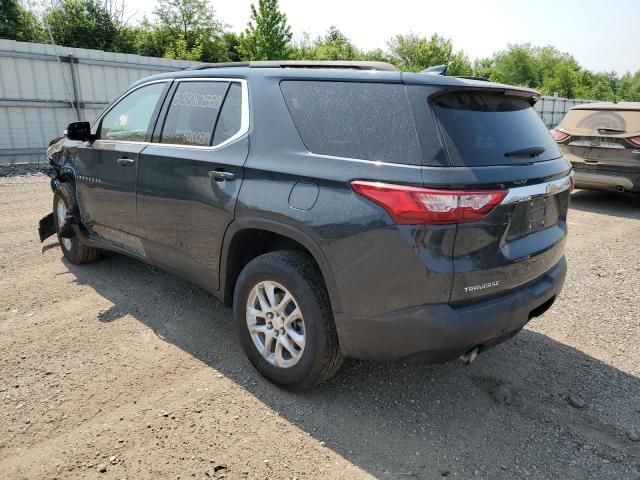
pixel 415 53
pixel 18 23
pixel 267 36
pixel 189 30
pixel 555 73
pixel 231 42
pixel 180 49
pixel 82 23
pixel 629 87
pixel 335 46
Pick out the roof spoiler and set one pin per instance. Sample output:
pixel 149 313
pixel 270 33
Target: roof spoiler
pixel 442 70
pixel 436 70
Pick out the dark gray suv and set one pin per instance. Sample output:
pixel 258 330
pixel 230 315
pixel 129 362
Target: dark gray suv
pixel 342 209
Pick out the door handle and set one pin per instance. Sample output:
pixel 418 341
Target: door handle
pixel 125 162
pixel 221 175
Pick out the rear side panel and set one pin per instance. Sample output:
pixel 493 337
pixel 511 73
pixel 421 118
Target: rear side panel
pixel 377 267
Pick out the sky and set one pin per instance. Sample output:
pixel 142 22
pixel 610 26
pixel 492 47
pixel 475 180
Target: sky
pixel 601 35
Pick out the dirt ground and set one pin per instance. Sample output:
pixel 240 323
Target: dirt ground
pixel 119 370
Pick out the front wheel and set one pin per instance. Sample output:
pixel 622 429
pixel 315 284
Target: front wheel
pixel 64 204
pixel 284 320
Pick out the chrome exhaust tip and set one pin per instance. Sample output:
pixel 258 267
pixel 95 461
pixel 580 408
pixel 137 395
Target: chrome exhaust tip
pixel 620 189
pixel 470 356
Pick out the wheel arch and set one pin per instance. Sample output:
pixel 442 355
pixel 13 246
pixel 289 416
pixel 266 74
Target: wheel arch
pixel 277 235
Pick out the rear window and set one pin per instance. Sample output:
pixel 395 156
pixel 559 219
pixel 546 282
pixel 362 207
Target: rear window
pixel 588 122
pixel 369 121
pixel 480 129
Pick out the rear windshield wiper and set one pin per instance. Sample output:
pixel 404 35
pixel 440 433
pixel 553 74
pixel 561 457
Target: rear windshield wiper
pixel 611 130
pixel 532 151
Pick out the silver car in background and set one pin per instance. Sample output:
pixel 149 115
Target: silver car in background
pixel 602 142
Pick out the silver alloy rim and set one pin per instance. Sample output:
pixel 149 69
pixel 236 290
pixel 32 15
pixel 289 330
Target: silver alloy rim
pixel 61 211
pixel 275 324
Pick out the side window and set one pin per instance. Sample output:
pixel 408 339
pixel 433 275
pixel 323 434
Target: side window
pixel 368 121
pixel 129 119
pixel 193 112
pixel 230 115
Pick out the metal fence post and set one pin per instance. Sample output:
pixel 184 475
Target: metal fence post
pixel 76 100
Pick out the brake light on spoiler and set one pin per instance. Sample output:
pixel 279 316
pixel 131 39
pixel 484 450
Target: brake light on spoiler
pixel 413 205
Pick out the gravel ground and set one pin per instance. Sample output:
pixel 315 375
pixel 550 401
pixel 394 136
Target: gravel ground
pixel 119 370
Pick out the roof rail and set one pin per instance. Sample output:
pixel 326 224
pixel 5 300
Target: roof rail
pixel 383 66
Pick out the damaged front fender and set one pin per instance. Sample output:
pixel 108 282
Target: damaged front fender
pixel 46 228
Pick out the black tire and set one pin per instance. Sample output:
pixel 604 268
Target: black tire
pixel 77 252
pixel 321 357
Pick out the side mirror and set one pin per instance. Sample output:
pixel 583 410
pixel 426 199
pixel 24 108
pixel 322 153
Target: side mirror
pixel 80 131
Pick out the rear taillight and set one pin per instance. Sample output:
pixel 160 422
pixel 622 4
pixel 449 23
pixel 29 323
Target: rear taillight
pixel 634 141
pixel 558 136
pixel 413 205
pixel 572 181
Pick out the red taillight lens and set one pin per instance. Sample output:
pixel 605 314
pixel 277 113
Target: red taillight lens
pixel 634 141
pixel 558 136
pixel 413 205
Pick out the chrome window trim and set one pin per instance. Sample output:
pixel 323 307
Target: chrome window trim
pixel 244 113
pixel 520 194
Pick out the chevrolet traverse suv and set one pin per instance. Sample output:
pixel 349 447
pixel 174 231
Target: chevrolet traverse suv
pixel 341 208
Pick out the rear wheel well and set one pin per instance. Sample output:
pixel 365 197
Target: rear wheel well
pixel 251 243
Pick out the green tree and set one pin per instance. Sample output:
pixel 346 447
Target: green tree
pixel 267 36
pixel 179 49
pixel 84 24
pixel 629 87
pixel 335 45
pixel 18 23
pixel 415 53
pixel 187 29
pixel 516 66
pixel 232 43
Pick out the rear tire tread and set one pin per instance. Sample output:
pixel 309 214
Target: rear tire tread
pixel 302 265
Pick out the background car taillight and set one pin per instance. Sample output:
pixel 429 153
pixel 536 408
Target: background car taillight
pixel 558 136
pixel 634 140
pixel 572 181
pixel 414 205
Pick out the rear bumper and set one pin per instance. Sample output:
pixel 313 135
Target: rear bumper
pixel 594 180
pixel 438 333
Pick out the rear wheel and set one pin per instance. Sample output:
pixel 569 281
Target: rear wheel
pixel 284 320
pixel 64 203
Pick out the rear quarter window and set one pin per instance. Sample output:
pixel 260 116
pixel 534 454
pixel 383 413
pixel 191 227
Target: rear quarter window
pixel 369 121
pixel 479 129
